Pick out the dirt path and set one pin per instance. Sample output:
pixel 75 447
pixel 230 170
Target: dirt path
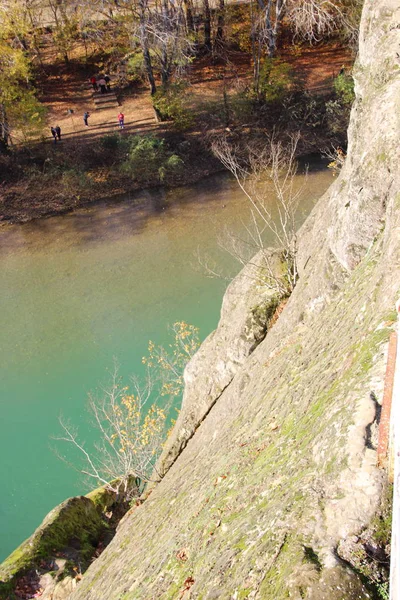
pixel 67 92
pixel 64 90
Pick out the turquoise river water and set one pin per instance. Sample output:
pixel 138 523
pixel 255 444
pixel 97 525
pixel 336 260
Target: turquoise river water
pixel 77 292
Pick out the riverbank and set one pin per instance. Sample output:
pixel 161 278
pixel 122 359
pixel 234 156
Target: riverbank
pixel 43 190
pixel 39 179
pixel 48 186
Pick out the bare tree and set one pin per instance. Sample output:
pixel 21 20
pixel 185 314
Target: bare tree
pixel 131 434
pixel 219 37
pixel 170 45
pixel 314 19
pixel 130 421
pixel 143 36
pixel 263 175
pixel 273 12
pixel 207 25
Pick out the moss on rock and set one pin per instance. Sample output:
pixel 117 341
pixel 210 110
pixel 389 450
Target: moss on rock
pixel 76 522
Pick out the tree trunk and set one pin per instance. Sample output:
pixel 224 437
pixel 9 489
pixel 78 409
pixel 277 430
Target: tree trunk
pixel 144 43
pixel 4 129
pixel 207 25
pixel 165 68
pixel 149 70
pixel 189 15
pixel 226 108
pixel 273 23
pixel 219 38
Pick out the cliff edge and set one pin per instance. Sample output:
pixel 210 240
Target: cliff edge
pixel 270 475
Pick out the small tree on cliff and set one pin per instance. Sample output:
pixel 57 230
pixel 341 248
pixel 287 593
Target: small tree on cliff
pixel 262 175
pixel 131 425
pixel 131 436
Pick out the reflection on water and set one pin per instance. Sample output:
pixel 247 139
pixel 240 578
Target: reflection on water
pixel 81 289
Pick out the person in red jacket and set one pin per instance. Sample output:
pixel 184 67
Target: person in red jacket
pixel 93 81
pixel 121 118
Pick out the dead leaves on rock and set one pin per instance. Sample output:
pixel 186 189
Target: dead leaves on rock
pixel 219 479
pixel 182 555
pixel 27 587
pixel 187 584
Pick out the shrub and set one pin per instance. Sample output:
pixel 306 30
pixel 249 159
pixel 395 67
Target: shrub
pixel 74 181
pixel 172 165
pixel 27 115
pixel 150 160
pixel 344 88
pixel 136 69
pixel 276 79
pixel 303 109
pixel 242 105
pixel 114 143
pixel 171 103
pixel 338 109
pixel 238 26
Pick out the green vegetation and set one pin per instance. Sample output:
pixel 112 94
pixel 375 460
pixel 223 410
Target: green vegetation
pixel 76 521
pixel 276 80
pixel 344 88
pixel 149 160
pixel 172 103
pixel 19 107
pixel 338 108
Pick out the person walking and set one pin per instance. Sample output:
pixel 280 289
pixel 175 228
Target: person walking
pixel 85 118
pixel 93 81
pixel 54 134
pixel 108 82
pixel 121 118
pixel 103 85
pixel 58 132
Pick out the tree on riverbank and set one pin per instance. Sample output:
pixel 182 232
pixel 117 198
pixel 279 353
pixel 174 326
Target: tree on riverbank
pixel 19 107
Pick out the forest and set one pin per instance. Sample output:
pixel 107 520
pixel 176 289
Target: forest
pixel 183 73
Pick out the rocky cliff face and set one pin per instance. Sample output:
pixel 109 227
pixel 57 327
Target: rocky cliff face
pixel 271 475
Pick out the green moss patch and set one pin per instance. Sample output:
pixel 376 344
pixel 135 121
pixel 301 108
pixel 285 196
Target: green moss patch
pixel 75 522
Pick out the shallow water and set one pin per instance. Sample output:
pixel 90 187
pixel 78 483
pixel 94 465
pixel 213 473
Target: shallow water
pixel 82 289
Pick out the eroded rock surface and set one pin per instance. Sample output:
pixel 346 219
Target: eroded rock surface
pixel 282 469
pixel 247 308
pixel 270 474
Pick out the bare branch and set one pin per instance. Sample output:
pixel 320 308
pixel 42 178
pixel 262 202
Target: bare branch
pixel 314 19
pixel 262 176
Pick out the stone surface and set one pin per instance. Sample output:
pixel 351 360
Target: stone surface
pixel 247 307
pixel 76 518
pixel 281 466
pixel 73 529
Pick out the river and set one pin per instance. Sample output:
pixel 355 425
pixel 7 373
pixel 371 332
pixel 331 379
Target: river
pixel 83 289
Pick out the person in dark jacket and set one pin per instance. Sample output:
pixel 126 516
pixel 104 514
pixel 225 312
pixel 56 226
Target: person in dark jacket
pixel 58 132
pixel 54 134
pixel 85 118
pixel 103 85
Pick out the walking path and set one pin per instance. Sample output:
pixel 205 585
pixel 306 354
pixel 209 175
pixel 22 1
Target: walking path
pixel 65 90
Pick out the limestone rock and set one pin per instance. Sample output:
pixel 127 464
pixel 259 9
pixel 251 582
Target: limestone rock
pixel 261 511
pixel 247 307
